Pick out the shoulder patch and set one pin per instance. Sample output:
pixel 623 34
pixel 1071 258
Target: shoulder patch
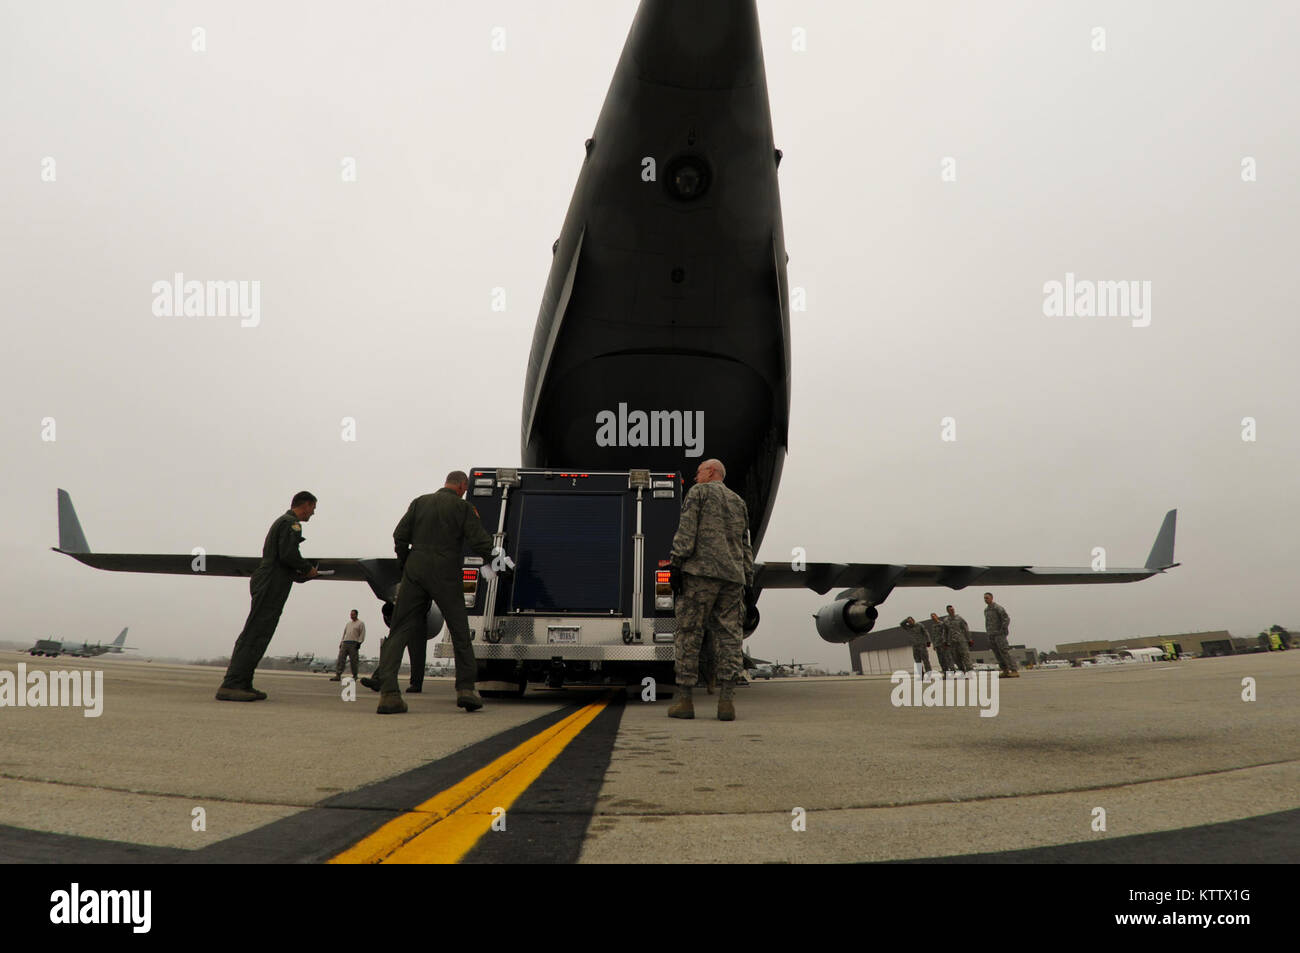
pixel 296 527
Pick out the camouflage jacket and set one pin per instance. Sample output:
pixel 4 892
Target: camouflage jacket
pixel 957 627
pixel 942 634
pixel 916 632
pixel 713 536
pixel 996 620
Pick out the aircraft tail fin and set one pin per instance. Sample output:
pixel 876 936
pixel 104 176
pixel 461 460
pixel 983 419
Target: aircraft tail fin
pixel 120 640
pixel 1162 552
pixel 71 538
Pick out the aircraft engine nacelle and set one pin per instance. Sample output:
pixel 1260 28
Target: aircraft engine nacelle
pixel 433 624
pixel 845 619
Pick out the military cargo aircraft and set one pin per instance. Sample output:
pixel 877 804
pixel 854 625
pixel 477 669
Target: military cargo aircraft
pixel 54 649
pixel 664 334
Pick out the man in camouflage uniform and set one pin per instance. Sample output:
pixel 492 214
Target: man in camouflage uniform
pixel 959 640
pixel 941 637
pixel 713 565
pixel 430 541
pixel 998 625
pixel 281 566
pixel 920 641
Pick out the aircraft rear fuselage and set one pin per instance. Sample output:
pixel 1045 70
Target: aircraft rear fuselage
pixel 663 335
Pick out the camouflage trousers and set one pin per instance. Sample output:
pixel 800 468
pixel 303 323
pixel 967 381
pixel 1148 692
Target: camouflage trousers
pixel 1003 653
pixel 707 674
pixel 715 606
pixel 944 651
pixel 960 650
pixel 919 654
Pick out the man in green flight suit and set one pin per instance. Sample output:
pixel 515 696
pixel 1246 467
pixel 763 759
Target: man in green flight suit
pixel 281 566
pixel 430 541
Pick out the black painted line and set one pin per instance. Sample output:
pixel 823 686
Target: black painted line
pixel 548 823
pixel 331 827
pixel 21 846
pixel 1266 839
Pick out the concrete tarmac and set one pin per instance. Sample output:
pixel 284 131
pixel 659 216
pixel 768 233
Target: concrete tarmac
pixel 164 746
pixel 1158 747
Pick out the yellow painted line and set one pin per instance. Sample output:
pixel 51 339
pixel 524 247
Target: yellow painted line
pixel 444 828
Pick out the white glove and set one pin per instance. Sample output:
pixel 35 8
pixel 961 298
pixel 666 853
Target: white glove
pixel 487 572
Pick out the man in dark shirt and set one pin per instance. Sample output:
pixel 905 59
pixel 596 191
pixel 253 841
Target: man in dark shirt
pixel 281 566
pixel 430 542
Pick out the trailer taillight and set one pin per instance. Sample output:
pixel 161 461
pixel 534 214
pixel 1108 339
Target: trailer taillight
pixel 469 583
pixel 663 589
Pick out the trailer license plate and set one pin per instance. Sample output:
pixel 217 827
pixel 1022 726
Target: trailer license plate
pixel 562 633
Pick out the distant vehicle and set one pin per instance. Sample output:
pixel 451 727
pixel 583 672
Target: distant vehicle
pixel 1143 655
pixel 1055 663
pixel 53 648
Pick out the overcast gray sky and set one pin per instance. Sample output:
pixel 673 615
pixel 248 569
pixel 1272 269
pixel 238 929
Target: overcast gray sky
pixel 925 297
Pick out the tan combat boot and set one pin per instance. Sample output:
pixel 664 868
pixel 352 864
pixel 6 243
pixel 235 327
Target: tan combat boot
pixel 238 695
pixel 391 703
pixel 468 699
pixel 726 703
pixel 684 707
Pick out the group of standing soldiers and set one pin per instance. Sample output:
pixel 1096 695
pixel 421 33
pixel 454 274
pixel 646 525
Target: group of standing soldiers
pixel 952 640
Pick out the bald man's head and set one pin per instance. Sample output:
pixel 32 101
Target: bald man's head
pixel 710 470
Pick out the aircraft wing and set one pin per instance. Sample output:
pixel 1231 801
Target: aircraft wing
pixel 381 575
pixel 879 579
